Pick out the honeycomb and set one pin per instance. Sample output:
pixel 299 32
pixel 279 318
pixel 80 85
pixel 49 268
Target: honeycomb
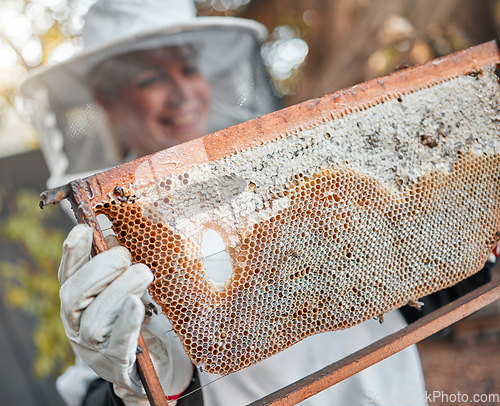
pixel 325 227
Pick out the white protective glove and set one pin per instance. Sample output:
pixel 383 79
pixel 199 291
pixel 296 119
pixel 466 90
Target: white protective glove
pixel 102 314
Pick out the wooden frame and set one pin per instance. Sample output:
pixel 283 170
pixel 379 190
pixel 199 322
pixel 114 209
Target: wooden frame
pixel 81 193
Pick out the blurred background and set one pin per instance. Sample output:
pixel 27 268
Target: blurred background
pixel 315 47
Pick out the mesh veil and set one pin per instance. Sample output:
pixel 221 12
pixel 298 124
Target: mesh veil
pixel 75 135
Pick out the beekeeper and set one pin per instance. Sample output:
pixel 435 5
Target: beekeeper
pixel 154 75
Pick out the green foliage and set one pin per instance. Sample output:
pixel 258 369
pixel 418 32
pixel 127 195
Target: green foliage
pixel 31 284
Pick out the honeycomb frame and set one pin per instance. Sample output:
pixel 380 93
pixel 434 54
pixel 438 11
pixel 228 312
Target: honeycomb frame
pixel 333 211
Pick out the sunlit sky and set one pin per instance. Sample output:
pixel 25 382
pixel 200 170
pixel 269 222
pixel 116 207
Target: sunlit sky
pixel 23 27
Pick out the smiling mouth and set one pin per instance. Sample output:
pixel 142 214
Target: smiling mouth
pixel 182 120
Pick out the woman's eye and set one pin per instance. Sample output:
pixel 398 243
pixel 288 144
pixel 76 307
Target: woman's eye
pixel 190 70
pixel 148 81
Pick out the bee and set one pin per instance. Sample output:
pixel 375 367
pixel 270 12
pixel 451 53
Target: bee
pixel 121 194
pixel 292 253
pixel 416 304
pixel 151 309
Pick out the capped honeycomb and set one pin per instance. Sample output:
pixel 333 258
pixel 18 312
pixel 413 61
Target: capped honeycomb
pixel 324 227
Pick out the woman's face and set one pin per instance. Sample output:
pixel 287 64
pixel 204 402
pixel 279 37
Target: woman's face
pixel 162 100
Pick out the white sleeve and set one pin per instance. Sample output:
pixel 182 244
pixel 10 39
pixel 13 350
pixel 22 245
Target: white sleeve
pixel 73 384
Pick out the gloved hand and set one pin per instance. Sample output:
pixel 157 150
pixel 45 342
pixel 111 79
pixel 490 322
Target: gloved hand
pixel 102 314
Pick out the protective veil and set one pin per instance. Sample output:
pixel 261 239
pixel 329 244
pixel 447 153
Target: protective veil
pixel 75 134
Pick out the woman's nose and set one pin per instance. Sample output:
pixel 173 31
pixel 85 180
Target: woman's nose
pixel 178 92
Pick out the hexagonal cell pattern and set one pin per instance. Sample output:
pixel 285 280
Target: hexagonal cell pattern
pixel 326 227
